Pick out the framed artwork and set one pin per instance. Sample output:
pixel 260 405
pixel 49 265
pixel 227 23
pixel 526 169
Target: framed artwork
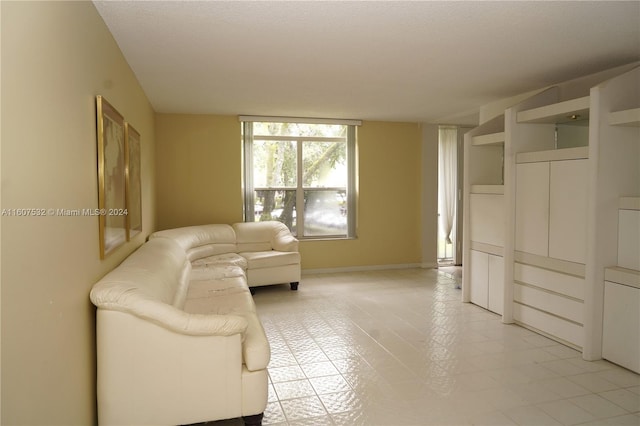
pixel 134 193
pixel 111 177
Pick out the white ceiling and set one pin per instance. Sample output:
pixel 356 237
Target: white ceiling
pixel 381 60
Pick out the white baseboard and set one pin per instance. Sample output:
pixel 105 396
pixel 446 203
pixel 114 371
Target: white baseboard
pixel 369 268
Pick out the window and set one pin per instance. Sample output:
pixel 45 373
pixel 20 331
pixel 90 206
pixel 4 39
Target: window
pixel 302 174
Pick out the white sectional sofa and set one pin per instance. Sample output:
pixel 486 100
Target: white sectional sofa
pixel 178 337
pixel 267 251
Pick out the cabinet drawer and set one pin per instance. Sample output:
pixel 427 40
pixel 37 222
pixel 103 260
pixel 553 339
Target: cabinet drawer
pixel 568 285
pixel 549 302
pixel 549 324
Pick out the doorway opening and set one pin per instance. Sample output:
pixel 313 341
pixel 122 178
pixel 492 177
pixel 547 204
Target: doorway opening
pixel 450 167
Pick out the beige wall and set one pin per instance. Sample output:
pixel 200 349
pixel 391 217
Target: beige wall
pixel 389 186
pixel 56 57
pixel 199 181
pixel 199 159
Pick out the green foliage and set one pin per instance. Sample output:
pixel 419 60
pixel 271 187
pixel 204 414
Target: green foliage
pixel 275 164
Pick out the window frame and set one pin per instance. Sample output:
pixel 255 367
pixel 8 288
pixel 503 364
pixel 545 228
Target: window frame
pixel 351 163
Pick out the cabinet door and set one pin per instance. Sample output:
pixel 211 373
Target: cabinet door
pixel 629 239
pixel 496 284
pixel 479 278
pixel 621 327
pixel 568 210
pixel 532 208
pixel 486 218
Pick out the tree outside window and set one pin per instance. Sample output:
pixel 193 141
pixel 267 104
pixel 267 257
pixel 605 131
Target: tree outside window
pixel 301 174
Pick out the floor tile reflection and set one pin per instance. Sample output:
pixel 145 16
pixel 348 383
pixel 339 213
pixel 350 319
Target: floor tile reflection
pixel 398 347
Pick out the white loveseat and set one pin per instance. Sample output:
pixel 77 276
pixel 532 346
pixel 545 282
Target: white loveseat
pixel 178 337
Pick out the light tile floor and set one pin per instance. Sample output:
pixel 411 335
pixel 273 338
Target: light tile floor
pixel 398 347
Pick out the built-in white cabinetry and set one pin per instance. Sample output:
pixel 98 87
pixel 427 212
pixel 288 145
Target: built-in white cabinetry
pixel 626 117
pixel 568 195
pixel 612 308
pixel 552 201
pixel 550 301
pixel 621 329
pixel 621 315
pixel 629 238
pixel 479 278
pixel 551 209
pixel 496 279
pixel 484 216
pixel 486 219
pixel 532 208
pixel 487 280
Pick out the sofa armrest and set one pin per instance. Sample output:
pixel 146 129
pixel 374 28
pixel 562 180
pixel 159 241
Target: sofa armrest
pixel 150 375
pixel 283 239
pixel 165 315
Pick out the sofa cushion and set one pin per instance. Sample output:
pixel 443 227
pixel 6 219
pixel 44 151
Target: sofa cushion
pixel 218 272
pixel 264 236
pixel 202 240
pixel 158 269
pixel 220 303
pixel 268 259
pixel 221 260
pixel 214 287
pixel 152 283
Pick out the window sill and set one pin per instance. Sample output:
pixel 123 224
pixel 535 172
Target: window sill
pixel 304 239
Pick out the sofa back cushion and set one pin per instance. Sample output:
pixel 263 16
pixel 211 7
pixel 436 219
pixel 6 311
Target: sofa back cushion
pixel 158 270
pixel 264 236
pixel 202 240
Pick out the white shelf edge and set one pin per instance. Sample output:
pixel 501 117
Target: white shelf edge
pixel 628 117
pixel 618 275
pixel 556 265
pixel 487 189
pixel 556 113
pixel 629 203
pixel 581 152
pixel 489 139
pixel 487 248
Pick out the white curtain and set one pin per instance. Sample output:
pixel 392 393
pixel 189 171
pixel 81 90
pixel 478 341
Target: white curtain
pixel 447 175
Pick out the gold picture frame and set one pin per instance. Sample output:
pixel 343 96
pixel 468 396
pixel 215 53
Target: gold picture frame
pixel 133 181
pixel 111 177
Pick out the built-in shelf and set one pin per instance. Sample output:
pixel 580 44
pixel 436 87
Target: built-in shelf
pixel 628 117
pixel 561 112
pixel 557 265
pixel 487 189
pixel 628 277
pixel 490 139
pixel 487 248
pixel 629 203
pixel 577 153
pixel 552 216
